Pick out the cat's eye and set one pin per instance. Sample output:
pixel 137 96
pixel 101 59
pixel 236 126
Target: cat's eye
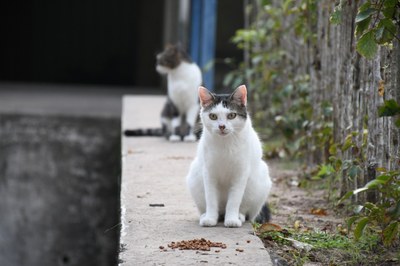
pixel 231 115
pixel 213 116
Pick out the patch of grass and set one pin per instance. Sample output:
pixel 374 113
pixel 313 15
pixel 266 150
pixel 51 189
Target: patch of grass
pixel 329 248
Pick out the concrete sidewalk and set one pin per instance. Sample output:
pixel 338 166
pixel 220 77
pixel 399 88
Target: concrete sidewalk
pixel 153 174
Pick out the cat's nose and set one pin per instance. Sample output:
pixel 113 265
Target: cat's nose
pixel 221 127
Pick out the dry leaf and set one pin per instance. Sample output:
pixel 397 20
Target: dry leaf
pixel 296 224
pixel 318 211
pixel 342 230
pixel 268 227
pixel 381 88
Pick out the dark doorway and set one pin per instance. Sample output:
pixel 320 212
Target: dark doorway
pixel 88 42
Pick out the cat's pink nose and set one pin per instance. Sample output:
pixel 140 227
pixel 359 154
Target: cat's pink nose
pixel 221 127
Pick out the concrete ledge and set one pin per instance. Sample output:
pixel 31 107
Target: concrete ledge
pixel 153 172
pixel 59 190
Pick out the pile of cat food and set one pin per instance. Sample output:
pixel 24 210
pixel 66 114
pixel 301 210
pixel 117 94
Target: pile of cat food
pixel 195 244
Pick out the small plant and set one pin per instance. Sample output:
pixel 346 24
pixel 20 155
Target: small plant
pixel 390 108
pixel 297 247
pixel 384 214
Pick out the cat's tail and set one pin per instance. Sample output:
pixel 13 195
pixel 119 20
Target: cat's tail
pixel 264 216
pixel 155 132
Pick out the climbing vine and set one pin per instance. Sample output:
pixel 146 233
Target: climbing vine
pixel 376 22
pixel 297 94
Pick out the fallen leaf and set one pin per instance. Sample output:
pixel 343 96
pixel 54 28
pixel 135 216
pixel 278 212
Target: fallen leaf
pixel 318 211
pixel 381 88
pixel 342 230
pixel 268 227
pixel 296 224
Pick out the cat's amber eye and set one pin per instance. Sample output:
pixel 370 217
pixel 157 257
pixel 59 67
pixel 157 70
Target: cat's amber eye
pixel 231 115
pixel 213 116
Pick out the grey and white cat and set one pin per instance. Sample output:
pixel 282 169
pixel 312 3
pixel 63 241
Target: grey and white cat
pixel 228 179
pixel 180 112
pixel 183 79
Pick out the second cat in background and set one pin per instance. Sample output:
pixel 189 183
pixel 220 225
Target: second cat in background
pixel 181 110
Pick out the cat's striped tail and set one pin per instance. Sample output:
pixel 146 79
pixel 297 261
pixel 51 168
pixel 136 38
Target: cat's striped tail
pixel 264 215
pixel 155 132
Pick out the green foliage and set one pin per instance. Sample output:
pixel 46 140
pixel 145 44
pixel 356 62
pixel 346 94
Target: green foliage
pixel 366 45
pixel 390 108
pixel 280 100
pixel 343 249
pixel 377 23
pixel 336 16
pixel 385 214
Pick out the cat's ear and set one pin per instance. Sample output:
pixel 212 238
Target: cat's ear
pixel 205 96
pixel 239 96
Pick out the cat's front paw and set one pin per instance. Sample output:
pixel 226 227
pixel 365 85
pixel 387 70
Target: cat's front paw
pixel 233 223
pixel 174 138
pixel 207 221
pixel 242 217
pixel 190 138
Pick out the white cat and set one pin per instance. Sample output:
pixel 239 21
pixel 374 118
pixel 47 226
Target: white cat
pixel 228 177
pixel 183 79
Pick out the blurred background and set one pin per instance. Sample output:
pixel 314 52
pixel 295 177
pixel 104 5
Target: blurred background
pixel 64 66
pixel 107 43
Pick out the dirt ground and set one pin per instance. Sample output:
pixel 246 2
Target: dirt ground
pixel 295 207
pixel 290 203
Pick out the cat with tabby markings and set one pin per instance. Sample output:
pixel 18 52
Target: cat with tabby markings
pixel 180 112
pixel 228 179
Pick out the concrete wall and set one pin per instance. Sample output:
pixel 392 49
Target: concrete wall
pixel 59 190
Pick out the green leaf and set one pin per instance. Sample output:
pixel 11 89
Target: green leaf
pixel 325 170
pixel 389 108
pixel 351 221
pixel 390 233
pixel 346 196
pixel 365 6
pixel 360 227
pixel 362 26
pixel 369 206
pixel 383 178
pixel 374 183
pixel 395 211
pixel 348 142
pixel 354 171
pixel 390 3
pixel 385 31
pixel 388 12
pixel 333 149
pixel 397 122
pixel 365 14
pixel 367 46
pixel 336 16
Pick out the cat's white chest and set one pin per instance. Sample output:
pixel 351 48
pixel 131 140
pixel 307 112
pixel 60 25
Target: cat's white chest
pixel 225 159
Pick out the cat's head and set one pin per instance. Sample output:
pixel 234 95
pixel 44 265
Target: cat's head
pixel 223 114
pixel 170 58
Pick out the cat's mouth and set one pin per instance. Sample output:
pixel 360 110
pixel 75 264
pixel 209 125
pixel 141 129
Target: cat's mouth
pixel 223 133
